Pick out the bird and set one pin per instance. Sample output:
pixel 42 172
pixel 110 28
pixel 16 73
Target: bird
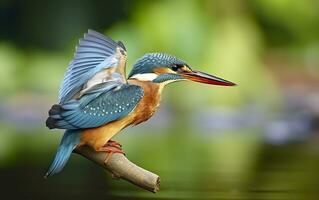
pixel 97 101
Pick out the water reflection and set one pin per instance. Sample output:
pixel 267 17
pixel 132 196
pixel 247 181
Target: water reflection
pixel 288 172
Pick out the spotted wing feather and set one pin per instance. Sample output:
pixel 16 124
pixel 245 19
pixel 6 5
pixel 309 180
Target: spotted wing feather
pixel 95 109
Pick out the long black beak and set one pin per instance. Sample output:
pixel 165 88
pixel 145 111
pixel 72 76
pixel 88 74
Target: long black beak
pixel 202 77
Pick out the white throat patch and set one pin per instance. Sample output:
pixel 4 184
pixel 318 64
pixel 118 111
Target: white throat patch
pixel 145 76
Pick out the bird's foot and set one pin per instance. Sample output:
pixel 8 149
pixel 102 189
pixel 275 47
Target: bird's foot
pixel 110 148
pixel 114 144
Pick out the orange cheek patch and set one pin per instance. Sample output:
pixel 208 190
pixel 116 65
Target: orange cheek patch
pixel 163 70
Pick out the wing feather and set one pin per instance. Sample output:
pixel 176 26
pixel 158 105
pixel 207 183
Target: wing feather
pixel 94 53
pixel 96 109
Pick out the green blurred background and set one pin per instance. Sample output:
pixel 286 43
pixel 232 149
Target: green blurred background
pixel 258 140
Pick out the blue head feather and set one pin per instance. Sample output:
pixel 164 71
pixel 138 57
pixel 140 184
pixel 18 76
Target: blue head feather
pixel 150 61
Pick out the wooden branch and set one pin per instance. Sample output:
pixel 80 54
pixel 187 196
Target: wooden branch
pixel 121 167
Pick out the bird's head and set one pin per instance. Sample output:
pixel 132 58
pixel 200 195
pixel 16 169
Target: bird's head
pixel 164 68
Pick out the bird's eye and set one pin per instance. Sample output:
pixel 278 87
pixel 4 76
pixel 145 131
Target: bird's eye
pixel 175 68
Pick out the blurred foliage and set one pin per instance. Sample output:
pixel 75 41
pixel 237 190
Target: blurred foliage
pixel 258 44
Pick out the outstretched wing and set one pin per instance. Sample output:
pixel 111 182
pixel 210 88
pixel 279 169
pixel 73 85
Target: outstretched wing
pixel 95 109
pixel 97 59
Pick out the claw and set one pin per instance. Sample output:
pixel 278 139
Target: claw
pixel 114 143
pixel 111 147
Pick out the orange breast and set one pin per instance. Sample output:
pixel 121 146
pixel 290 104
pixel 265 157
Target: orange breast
pixel 150 101
pixel 97 137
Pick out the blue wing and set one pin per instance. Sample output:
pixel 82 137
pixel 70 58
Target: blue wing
pixel 95 109
pixel 97 59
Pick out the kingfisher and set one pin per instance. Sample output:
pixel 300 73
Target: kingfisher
pixel 97 101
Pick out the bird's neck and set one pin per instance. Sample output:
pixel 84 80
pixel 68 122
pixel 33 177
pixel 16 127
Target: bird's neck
pixel 148 86
pixel 144 76
pixel 150 101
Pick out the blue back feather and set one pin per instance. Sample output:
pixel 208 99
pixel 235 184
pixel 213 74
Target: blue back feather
pixel 95 109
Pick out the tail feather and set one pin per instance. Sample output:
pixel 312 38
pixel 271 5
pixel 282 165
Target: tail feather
pixel 70 139
pixel 57 115
pixel 55 109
